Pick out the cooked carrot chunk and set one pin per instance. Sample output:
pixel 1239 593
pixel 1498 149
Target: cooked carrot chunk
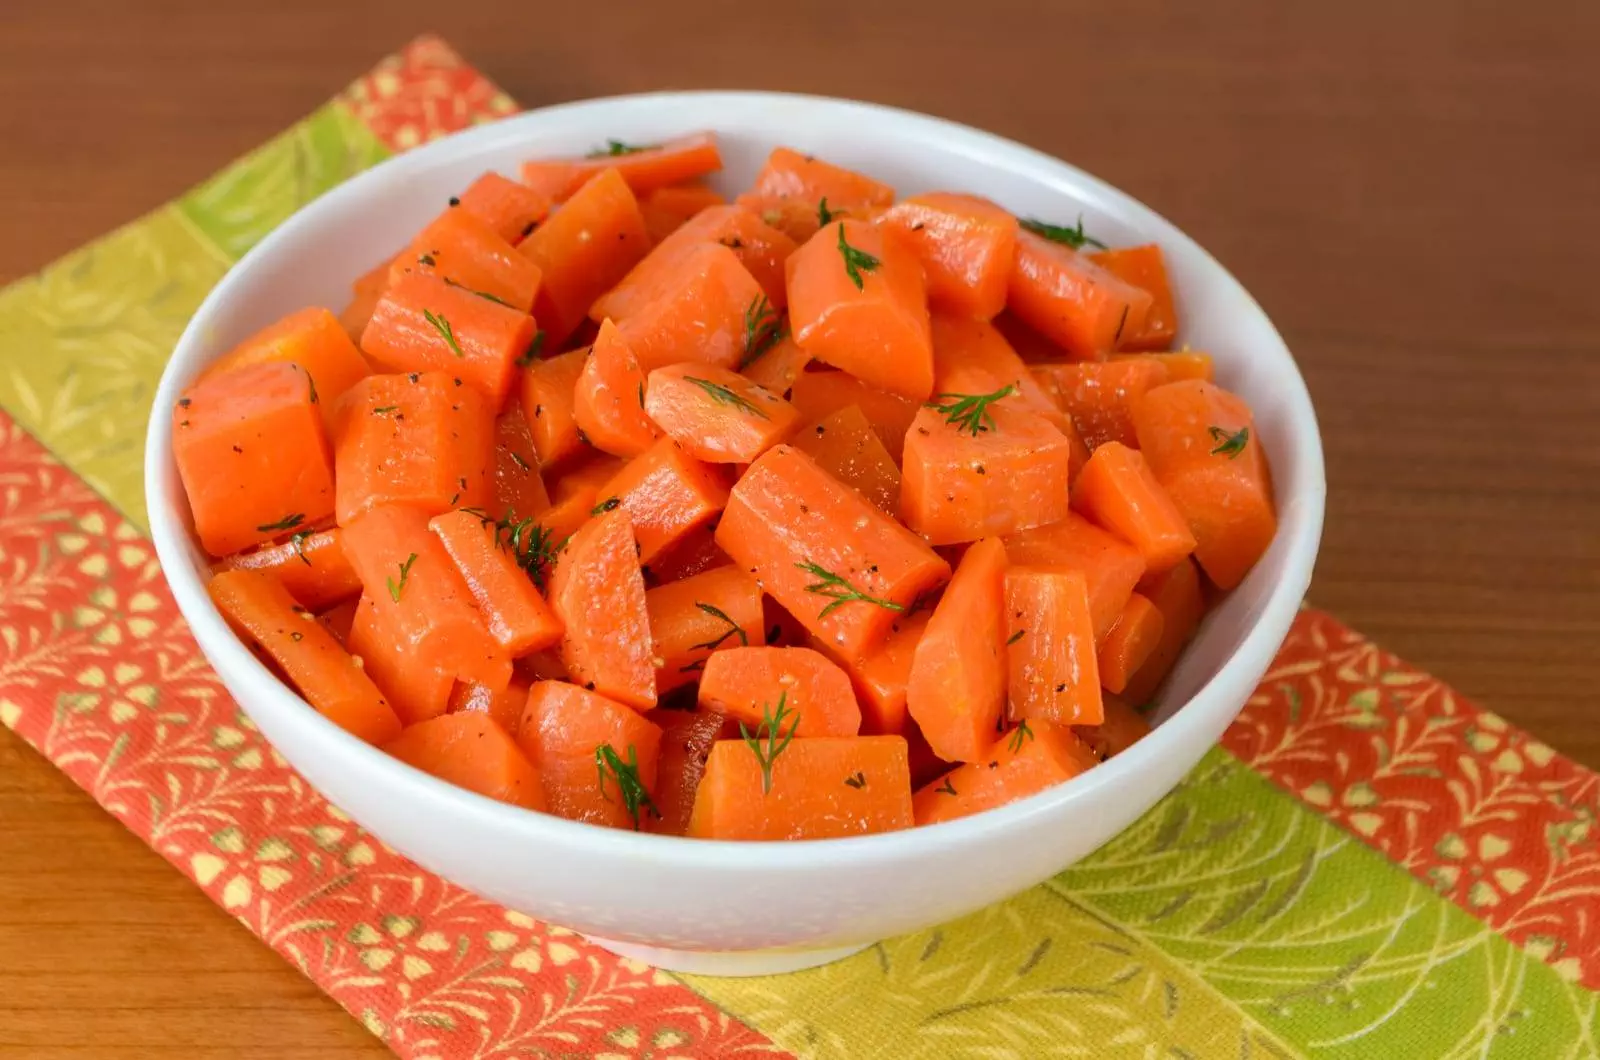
pixel 883 675
pixel 1130 643
pixel 466 252
pixel 519 491
pixel 1018 764
pixel 820 787
pixel 1118 491
pixel 1145 268
pixel 845 445
pixel 698 304
pixel 667 494
pixel 778 366
pixel 516 615
pixel 547 397
pixel 717 415
pixel 472 751
pixel 1099 396
pixel 819 394
pixel 957 687
pixel 1122 728
pixel 1085 309
pixel 745 683
pixel 582 249
pixel 1176 594
pixel 511 208
pixel 314 339
pixel 792 187
pixel 596 757
pixel 668 209
pixel 311 565
pixel 502 703
pixel 691 618
pixel 608 403
pixel 965 244
pixel 1053 674
pixel 1110 566
pixel 686 740
pixel 644 167
pixel 598 593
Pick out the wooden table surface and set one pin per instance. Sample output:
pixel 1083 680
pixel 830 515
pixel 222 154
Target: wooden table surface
pixel 1409 189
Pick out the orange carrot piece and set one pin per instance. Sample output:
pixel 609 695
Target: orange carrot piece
pixel 844 445
pixel 1085 309
pixel 694 553
pixel 644 168
pixel 597 591
pixel 1145 268
pixel 1111 566
pixel 253 455
pixel 957 687
pixel 747 684
pixel 547 390
pixel 512 209
pixel 667 495
pixel 417 687
pixel 1130 643
pixel 1176 594
pixel 818 394
pixel 882 675
pixel 1122 728
pixel 574 494
pixel 1180 364
pixel 1015 767
pixel 563 730
pixel 971 356
pixel 779 367
pixel 323 672
pixel 1031 346
pixel 690 619
pixel 686 739
pixel 704 306
pixel 502 703
pixel 717 415
pixel 966 245
pixel 472 751
pixel 761 249
pixel 1118 491
pixel 791 186
pixel 821 787
pixel 467 253
pixel 608 404
pixel 582 250
pixel 415 439
pixel 311 565
pixel 1100 395
pixel 800 530
pixel 668 209
pixel 364 295
pixel 314 339
pixel 339 618
pixel 1053 672
pixel 541 666
pixel 519 491
pixel 1201 443
pixel 513 611
pixel 857 301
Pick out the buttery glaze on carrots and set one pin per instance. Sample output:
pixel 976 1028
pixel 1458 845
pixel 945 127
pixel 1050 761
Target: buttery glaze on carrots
pixel 797 513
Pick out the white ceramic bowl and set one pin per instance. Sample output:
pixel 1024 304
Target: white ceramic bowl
pixel 708 906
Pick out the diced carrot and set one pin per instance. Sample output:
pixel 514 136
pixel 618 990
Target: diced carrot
pixel 880 678
pixel 582 250
pixel 472 751
pixel 575 493
pixel 1110 566
pixel 1130 643
pixel 784 630
pixel 819 394
pixel 925 765
pixel 1099 396
pixel 1015 767
pixel 821 787
pixel 325 674
pixel 1201 443
pixel 971 356
pixel 512 209
pixel 1122 728
pixel 779 366
pixel 957 687
pixel 339 618
pixel 791 187
pixel 253 455
pixel 746 684
pixel 1083 308
pixel 608 404
pixel 519 491
pixel 689 619
pixel 716 414
pixel 541 666
pixel 516 615
pixel 1118 491
pixel 564 730
pixel 1031 346
pixel 547 389
pixel 761 249
pixel 598 593
pixel 668 209
pixel 1180 364
pixel 504 703
pixel 1144 267
pixel 467 253
pixel 857 301
pixel 314 339
pixel 667 494
pixel 960 486
pixel 1053 674
pixel 840 566
pixel 415 439
pixel 644 168
pixel 694 553
pixel 844 445
pixel 705 307
pixel 1176 594
pixel 311 565
pixel 364 295
pixel 686 739
pixel 966 245
pixel 418 687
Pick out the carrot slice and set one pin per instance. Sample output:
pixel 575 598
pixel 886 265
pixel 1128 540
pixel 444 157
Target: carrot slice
pixel 424 324
pixel 1122 728
pixel 1085 309
pixel 686 739
pixel 417 687
pixel 668 209
pixel 324 673
pixel 666 493
pixel 338 620
pixel 643 167
pixel 844 445
pixel 717 415
pixel 564 730
pixel 1031 346
pixel 792 186
pixel 547 390
pixel 582 250
pixel 467 253
pixel 471 751
pixel 857 301
pixel 840 566
pixel 364 295
pixel 516 615
pixel 1015 767
pixel 541 666
pixel 512 209
pixel 746 684
pixel 881 677
pixel 502 703
pixel 1052 647
pixel 519 491
pixel 1176 594
pixel 965 244
pixel 608 404
pixel 760 248
pixel 417 439
pixel 818 394
pixel 1130 643
pixel 1110 566
pixel 971 356
pixel 957 687
pixel 1201 443
pixel 576 492
pixel 960 486
pixel 253 455
pixel 689 619
pixel 1118 491
pixel 777 366
pixel 821 787
pixel 311 565
pixel 1145 268
pixel 314 339
pixel 1180 364
pixel 702 305
pixel 1099 396
pixel 598 593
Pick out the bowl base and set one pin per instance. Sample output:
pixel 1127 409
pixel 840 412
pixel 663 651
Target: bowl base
pixel 732 964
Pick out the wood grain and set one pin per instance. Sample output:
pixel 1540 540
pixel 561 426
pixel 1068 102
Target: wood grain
pixel 1407 188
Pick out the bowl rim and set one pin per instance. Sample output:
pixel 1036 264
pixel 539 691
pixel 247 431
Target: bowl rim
pixel 228 654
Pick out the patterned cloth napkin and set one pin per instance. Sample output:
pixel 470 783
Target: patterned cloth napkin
pixel 1368 866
